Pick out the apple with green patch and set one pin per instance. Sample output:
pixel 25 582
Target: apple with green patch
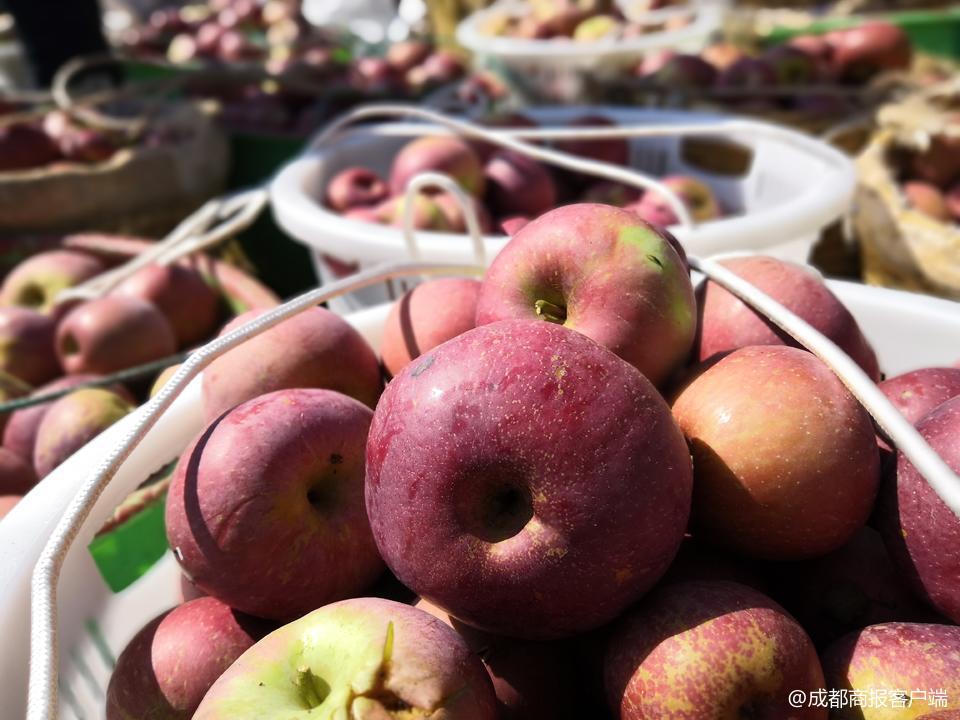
pixel 366 658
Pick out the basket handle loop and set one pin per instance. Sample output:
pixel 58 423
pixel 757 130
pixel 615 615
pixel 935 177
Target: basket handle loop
pixel 426 180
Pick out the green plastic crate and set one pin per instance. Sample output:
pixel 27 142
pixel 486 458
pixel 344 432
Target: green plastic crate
pixel 935 32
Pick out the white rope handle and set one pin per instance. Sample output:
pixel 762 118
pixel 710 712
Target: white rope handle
pixel 214 222
pixel 508 138
pixel 898 429
pixel 426 180
pixel 42 702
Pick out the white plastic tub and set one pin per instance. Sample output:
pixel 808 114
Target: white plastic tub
pixel 907 330
pixel 563 69
pixel 794 187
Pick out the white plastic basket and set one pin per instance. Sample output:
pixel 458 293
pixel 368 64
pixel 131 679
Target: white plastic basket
pixel 794 187
pixel 907 330
pixel 563 69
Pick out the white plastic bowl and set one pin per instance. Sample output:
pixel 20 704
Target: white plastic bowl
pixel 562 69
pixel 907 330
pixel 795 186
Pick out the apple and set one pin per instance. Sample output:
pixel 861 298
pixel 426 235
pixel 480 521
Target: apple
pixel 403 56
pixel 432 313
pixel 938 163
pixel 170 664
pixel 776 438
pixel 722 55
pixel 793 66
pixel 532 680
pixel 518 185
pixel 24 147
pixel 952 198
pixel 852 587
pixel 816 46
pixel 427 213
pixel 712 649
pixel 36 281
pixel 502 121
pixel 207 38
pixel 72 422
pixel 603 272
pixel 918 392
pixel 355 187
pixel 512 225
pixel 265 509
pixel 16 475
pixel 926 198
pixel 895 658
pixel 375 76
pixel 190 305
pixel 598 27
pixel 748 74
pixel 20 433
pixel 863 51
pixel 7 503
pixel 26 345
pixel 918 527
pixel 727 323
pixel 683 73
pixel 444 154
pixel 440 67
pixel 455 215
pixel 608 192
pixel 511 457
pixel 360 658
pixel 695 194
pixel 11 387
pixel 315 348
pixel 113 333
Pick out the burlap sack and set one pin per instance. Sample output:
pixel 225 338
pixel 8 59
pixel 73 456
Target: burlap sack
pixel 900 247
pixel 140 190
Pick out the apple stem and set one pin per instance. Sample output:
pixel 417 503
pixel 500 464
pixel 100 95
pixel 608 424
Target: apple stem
pixel 550 312
pixel 313 690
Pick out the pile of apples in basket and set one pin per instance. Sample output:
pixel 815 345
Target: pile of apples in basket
pixel 589 489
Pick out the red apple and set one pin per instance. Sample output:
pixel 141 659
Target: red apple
pixel 518 185
pixel 919 392
pixel 921 532
pixel 432 313
pixel 509 456
pixel 455 215
pixel 169 665
pixel 695 195
pixel 20 433
pixel 532 680
pixel 190 305
pixel 11 387
pixel 7 503
pixel 603 272
pixel 24 147
pixel 26 345
pixel 926 198
pixel 355 187
pixel 444 154
pixel 776 437
pixel 113 333
pixel 913 661
pixel 316 348
pixel 402 56
pixel 512 225
pixel 427 213
pixel 265 510
pixel 607 192
pixel 727 323
pixel 861 52
pixel 793 66
pixel 953 201
pixel 684 73
pixel 361 658
pixel 72 422
pixel 852 587
pixel 939 163
pixel 704 649
pixel 36 281
pixel 16 476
